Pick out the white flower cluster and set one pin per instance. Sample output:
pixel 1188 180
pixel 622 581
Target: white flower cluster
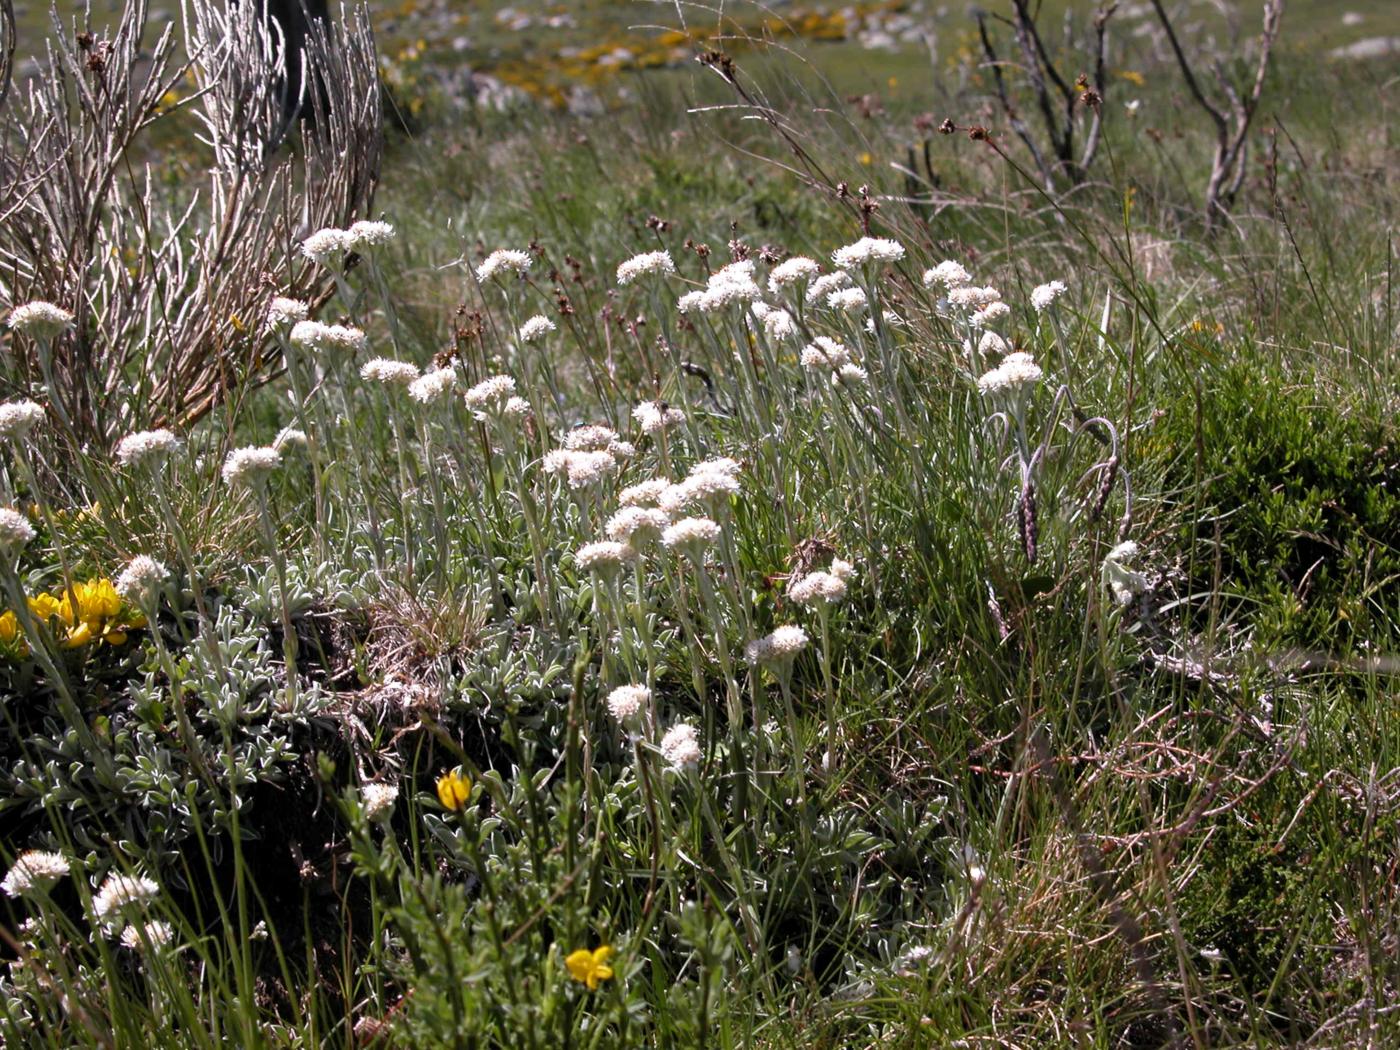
pixel 643 494
pixel 18 418
pixel 823 287
pixel 503 261
pixel 731 284
pixel 690 536
pixel 796 270
pixel 847 300
pixel 141 578
pixel 604 556
pixel 949 274
pixel 627 702
pixel 251 466
pixel 867 250
pixel 283 312
pixel 495 398
pixel 121 892
pixel 147 448
pixel 1045 294
pixel 34 872
pixel 325 246
pixel 777 324
pixel 646 263
pixel 656 416
pixel 824 354
pixel 822 587
pixel 378 800
pixel 580 468
pixel 535 329
pixel 389 372
pixel 681 748
pixel 39 320
pixel 433 387
pixel 779 648
pixel 155 934
pixel 290 437
pixel 637 525
pixel 710 484
pixel 328 338
pixel 1014 374
pixel 15 531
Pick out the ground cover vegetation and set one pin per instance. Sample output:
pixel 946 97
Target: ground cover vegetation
pixel 785 549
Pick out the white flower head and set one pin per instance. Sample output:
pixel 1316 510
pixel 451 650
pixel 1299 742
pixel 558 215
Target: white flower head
pixel 34 872
pixel 251 466
pixel 367 234
pixel 627 702
pixel 585 469
pixel 18 418
pixel 778 324
pixel 328 338
pixel 283 312
pixel 605 556
pixel 824 355
pixel 691 536
pixel 122 892
pixel 842 569
pixel 290 437
pixel 656 416
pixel 1017 372
pixel 389 372
pixel 503 261
pixel 849 375
pixel 817 588
pixel 643 494
pixel 327 245
pixel 591 437
pixel 867 250
pixel 39 320
pixel 847 300
pixel 378 800
pixel 637 525
pixel 779 648
pixel 433 387
pixel 142 577
pixel 990 314
pixel 646 263
pixel 796 270
pixel 972 298
pixel 535 329
pixel 15 531
pixel 681 748
pixel 992 344
pixel 147 448
pixel 820 289
pixel 155 935
pixel 949 274
pixel 1045 294
pixel 490 399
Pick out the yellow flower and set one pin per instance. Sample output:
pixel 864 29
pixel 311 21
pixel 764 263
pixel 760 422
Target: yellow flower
pixel 12 642
pixel 590 968
pixel 44 607
pixel 453 790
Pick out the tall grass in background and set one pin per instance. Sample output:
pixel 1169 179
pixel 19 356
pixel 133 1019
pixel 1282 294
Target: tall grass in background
pixel 704 580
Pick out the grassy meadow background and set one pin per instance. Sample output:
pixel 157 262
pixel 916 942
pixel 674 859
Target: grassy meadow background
pixel 1022 785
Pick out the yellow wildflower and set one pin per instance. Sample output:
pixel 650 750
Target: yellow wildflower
pixel 453 790
pixel 44 607
pixel 12 641
pixel 590 968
